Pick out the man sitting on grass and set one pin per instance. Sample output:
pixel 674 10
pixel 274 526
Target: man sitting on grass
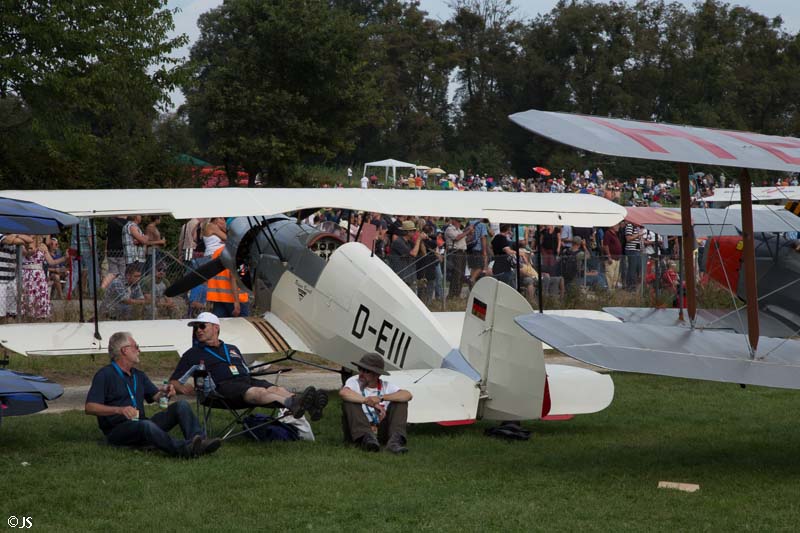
pixel 228 370
pixel 117 397
pixel 375 411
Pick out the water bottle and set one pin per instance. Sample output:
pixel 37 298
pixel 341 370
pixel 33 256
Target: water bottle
pixel 200 378
pixel 163 402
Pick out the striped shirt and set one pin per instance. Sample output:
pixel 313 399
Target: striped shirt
pixel 632 245
pixel 8 261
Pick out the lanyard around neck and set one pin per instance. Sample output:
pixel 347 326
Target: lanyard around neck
pixel 131 393
pixel 215 354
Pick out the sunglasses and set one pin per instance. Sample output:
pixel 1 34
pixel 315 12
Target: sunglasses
pixel 201 325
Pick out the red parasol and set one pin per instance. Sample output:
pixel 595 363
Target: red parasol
pixel 541 170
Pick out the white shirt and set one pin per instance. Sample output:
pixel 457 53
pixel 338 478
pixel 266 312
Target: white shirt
pixel 213 243
pixel 385 388
pixel 364 182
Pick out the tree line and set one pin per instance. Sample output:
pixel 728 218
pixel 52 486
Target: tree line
pixel 272 85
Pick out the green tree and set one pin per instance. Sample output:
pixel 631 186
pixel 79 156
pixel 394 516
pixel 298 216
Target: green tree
pixel 274 84
pixel 485 35
pixel 412 61
pixel 86 78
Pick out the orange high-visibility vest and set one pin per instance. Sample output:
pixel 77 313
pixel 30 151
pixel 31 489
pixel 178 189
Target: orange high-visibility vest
pixel 220 288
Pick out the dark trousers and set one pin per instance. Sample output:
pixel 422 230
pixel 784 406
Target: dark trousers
pixel 357 424
pixel 458 260
pixel 225 309
pixel 634 270
pixel 154 431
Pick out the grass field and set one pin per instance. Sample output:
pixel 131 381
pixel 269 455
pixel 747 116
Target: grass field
pixel 595 472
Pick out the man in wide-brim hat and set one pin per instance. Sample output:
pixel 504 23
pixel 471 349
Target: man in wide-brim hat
pixel 376 411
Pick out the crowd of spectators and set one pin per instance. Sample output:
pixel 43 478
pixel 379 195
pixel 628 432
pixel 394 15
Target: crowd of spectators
pixel 639 191
pixel 438 257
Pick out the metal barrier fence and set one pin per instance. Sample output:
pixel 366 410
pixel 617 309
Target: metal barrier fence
pixel 51 293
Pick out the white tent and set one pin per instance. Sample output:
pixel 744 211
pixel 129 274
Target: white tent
pixel 394 164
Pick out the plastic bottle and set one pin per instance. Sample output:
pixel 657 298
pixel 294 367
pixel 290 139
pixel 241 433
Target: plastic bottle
pixel 200 379
pixel 163 402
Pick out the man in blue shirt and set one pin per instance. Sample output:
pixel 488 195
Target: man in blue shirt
pixel 228 370
pixel 478 250
pixel 116 397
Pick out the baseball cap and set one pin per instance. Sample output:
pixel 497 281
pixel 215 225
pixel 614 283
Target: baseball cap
pixel 205 317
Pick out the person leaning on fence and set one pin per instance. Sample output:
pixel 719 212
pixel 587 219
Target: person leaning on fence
pixel 231 376
pixel 375 410
pixel 117 395
pixel 123 294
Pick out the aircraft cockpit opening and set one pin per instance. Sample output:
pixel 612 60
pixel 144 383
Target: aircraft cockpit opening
pixel 324 244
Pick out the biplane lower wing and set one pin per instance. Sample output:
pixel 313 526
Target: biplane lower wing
pixel 718 319
pixel 670 351
pixel 440 395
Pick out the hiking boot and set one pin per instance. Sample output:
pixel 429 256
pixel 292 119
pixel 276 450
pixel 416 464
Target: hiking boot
pixel 320 401
pixel 369 443
pixel 302 402
pixel 194 445
pixel 397 444
pixel 207 446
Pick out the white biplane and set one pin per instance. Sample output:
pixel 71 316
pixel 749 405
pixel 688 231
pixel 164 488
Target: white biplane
pixel 336 299
pixel 688 352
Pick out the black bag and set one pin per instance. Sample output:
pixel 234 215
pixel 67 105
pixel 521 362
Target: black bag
pixel 263 431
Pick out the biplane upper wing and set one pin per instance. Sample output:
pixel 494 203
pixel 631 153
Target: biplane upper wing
pixel 582 210
pixel 713 222
pixel 679 352
pixel 664 142
pixel 758 194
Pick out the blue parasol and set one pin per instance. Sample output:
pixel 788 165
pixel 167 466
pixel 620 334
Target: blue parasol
pixel 20 216
pixel 24 394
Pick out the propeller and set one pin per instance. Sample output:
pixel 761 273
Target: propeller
pixel 195 278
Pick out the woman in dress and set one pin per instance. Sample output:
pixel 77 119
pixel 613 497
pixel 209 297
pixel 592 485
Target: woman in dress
pixel 36 293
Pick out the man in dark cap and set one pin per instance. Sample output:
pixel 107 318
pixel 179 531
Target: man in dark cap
pixel 375 411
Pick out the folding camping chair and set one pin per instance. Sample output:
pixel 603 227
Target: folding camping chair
pixel 208 401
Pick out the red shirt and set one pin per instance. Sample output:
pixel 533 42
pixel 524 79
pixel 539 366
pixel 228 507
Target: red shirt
pixel 611 240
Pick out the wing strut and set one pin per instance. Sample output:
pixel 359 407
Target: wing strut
pixel 94 279
pixel 687 242
pixel 749 260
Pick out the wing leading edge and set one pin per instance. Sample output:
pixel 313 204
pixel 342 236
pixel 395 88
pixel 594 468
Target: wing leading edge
pixel 670 351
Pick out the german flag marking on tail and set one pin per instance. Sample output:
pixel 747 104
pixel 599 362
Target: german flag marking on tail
pixel 479 309
pixel 794 207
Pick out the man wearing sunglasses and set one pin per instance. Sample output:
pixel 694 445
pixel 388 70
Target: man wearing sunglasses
pixel 228 370
pixel 117 395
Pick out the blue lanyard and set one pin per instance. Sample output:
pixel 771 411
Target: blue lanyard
pixel 215 354
pixel 131 393
pixel 371 411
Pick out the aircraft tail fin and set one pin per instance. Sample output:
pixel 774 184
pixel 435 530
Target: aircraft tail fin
pixel 511 367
